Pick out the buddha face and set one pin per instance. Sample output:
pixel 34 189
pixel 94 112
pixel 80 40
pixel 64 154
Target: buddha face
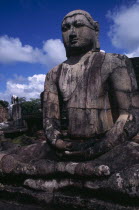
pixel 78 35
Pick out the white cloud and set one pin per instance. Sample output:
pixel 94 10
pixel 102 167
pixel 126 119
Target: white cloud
pixel 55 51
pixel 124 30
pixel 102 51
pixel 29 87
pixel 12 50
pixel 134 53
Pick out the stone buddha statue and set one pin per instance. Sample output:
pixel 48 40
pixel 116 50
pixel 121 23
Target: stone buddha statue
pixel 90 116
pixel 90 100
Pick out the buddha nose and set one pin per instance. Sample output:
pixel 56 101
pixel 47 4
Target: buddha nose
pixel 72 31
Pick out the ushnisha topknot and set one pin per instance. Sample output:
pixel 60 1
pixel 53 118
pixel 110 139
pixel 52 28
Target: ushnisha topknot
pixel 93 23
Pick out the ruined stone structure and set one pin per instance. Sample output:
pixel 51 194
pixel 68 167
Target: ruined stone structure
pixel 3 114
pixel 90 116
pixel 12 123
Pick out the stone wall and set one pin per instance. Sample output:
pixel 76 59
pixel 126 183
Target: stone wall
pixel 3 114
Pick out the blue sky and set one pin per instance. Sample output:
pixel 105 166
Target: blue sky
pixel 30 38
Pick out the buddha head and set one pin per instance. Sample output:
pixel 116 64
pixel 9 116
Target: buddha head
pixel 80 33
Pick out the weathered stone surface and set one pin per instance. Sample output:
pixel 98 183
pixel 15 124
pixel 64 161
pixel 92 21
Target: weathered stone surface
pixel 109 182
pixel 4 205
pixel 3 114
pixel 135 62
pixel 92 95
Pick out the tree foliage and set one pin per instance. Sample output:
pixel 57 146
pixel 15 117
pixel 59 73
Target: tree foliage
pixel 4 103
pixel 22 99
pixel 33 106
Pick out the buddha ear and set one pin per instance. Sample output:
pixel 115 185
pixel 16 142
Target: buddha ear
pixel 96 26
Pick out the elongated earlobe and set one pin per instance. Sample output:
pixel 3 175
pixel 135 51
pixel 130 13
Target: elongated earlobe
pixel 97 43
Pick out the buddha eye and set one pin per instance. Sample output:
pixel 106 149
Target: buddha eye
pixel 78 24
pixel 65 27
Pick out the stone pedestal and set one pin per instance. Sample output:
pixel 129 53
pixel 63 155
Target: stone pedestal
pixel 111 181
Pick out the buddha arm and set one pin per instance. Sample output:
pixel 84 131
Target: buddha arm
pixel 124 88
pixel 51 113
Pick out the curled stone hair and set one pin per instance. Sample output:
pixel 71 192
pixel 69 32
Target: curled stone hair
pixel 94 24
